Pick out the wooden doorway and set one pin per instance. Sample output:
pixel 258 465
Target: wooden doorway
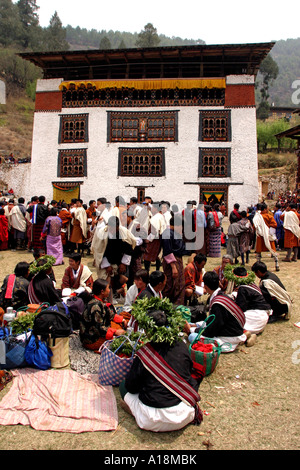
pixel 212 193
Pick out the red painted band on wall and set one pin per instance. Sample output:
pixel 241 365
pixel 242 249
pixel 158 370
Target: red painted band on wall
pixel 239 95
pixel 48 101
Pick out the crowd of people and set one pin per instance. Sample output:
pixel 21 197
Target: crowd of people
pixel 125 240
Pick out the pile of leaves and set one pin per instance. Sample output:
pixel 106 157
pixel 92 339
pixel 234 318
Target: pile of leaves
pixel 158 334
pixel 23 323
pixel 125 347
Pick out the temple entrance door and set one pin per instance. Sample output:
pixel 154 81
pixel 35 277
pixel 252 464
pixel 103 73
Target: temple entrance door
pixel 212 194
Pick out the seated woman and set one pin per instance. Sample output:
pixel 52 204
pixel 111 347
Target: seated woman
pixel 223 283
pixel 154 401
pixel 99 321
pixel 41 288
pixel 14 290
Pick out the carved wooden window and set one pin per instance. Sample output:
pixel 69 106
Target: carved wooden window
pixel 72 163
pixel 214 163
pixel 73 128
pixel 133 98
pixel 142 127
pixel 142 162
pixel 215 126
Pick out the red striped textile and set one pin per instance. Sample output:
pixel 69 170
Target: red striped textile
pixel 10 286
pixel 231 306
pixel 170 378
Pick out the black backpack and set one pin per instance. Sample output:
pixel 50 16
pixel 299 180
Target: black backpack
pixel 54 322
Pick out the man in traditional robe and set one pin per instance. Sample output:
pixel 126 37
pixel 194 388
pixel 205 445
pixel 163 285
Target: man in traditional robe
pixel 39 213
pixel 77 277
pixel 291 222
pixel 18 219
pixel 193 277
pixel 173 248
pixel 112 247
pixel 66 217
pixel 79 228
pixel 157 227
pixel 273 291
pixel 265 227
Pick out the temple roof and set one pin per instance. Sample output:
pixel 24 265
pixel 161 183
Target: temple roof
pixel 157 62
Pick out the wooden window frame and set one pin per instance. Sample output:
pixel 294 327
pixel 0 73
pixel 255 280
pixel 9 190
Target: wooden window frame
pixel 214 158
pixel 77 127
pixel 72 154
pixel 142 126
pixel 215 126
pixel 138 160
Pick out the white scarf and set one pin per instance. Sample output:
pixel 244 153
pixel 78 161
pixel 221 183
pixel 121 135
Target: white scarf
pixel 279 293
pixel 291 223
pixel 80 215
pixel 263 230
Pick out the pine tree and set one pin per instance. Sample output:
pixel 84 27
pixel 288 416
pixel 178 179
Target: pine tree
pixel 55 36
pixel 148 37
pixel 30 30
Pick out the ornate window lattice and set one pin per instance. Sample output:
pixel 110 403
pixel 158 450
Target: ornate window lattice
pixel 215 126
pixel 142 162
pixel 72 163
pixel 142 127
pixel 214 163
pixel 73 128
pixel 130 97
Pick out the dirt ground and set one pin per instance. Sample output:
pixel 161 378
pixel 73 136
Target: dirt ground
pixel 250 402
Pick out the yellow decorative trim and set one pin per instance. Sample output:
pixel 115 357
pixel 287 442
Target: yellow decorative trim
pixel 144 84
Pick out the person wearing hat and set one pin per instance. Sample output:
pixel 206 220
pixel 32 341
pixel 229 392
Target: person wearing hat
pixel 158 405
pixel 41 288
pixel 250 299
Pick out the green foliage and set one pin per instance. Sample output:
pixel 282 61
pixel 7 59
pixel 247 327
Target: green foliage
pixel 55 35
pixel 148 37
pixel 23 323
pixel 266 132
pixel 158 334
pixel 135 340
pixel 105 43
pixel 16 71
pixel 268 72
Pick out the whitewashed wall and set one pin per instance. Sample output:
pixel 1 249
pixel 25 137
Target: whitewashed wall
pixel 17 177
pixel 181 158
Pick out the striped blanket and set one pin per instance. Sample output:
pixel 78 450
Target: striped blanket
pixel 59 400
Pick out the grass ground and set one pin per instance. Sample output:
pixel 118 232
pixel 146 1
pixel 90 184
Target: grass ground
pixel 251 401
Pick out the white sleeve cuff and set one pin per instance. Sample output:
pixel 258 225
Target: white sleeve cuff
pixel 126 259
pixel 105 263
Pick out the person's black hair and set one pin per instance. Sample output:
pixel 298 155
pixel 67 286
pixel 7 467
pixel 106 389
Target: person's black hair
pixel 142 274
pixel 240 271
pixel 2 212
pixel 76 257
pixel 158 316
pixel 21 269
pixel 259 266
pixel 243 214
pixel 91 202
pixel 236 206
pixel 156 277
pixel 42 198
pixel 263 206
pixel 134 200
pixel 99 285
pixel 54 211
pixel 211 280
pixel 292 205
pixel 102 200
pixel 37 252
pixel 200 257
pixel 21 200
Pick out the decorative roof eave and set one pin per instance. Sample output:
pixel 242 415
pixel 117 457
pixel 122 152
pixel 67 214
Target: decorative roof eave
pixel 144 84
